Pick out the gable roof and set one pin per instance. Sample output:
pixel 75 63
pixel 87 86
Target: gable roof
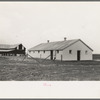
pixel 7 46
pixel 59 45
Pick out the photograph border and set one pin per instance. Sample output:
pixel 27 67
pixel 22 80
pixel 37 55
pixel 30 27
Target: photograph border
pixel 42 82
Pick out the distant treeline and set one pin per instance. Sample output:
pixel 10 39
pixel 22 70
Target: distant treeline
pixel 96 56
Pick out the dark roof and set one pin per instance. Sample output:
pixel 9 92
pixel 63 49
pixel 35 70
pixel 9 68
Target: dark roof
pixel 58 45
pixel 7 46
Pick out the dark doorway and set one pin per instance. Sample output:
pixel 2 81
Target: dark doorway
pixel 51 54
pixel 20 47
pixel 78 55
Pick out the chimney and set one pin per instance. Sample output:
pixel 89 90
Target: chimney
pixel 47 41
pixel 64 38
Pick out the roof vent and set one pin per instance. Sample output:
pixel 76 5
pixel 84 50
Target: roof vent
pixel 64 38
pixel 47 41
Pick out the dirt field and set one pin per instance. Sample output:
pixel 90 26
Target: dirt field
pixel 17 69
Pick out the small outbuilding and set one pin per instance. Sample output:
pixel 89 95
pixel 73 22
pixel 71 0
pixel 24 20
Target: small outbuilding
pixel 67 50
pixel 12 50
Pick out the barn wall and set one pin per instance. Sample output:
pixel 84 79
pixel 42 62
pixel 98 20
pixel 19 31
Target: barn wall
pixel 44 55
pixel 59 55
pixel 77 46
pixel 41 54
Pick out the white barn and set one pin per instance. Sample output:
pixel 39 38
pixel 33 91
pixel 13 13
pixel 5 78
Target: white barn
pixel 67 50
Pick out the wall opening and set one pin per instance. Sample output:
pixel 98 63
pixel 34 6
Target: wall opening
pixel 51 54
pixel 78 55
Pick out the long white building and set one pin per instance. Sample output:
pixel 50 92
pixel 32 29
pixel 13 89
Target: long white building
pixel 67 50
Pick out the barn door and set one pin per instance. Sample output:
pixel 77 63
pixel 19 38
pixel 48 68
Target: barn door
pixel 78 55
pixel 51 54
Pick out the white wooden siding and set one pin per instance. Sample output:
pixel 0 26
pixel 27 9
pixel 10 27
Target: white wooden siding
pixel 58 55
pixel 77 46
pixel 41 54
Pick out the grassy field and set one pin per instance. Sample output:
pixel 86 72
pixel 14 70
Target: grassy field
pixel 17 69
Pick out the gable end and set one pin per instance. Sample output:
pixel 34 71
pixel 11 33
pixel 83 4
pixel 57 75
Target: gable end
pixel 86 45
pixel 82 42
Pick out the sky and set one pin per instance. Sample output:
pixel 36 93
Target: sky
pixel 32 23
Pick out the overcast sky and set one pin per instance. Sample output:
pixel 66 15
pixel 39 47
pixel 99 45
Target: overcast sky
pixel 31 23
